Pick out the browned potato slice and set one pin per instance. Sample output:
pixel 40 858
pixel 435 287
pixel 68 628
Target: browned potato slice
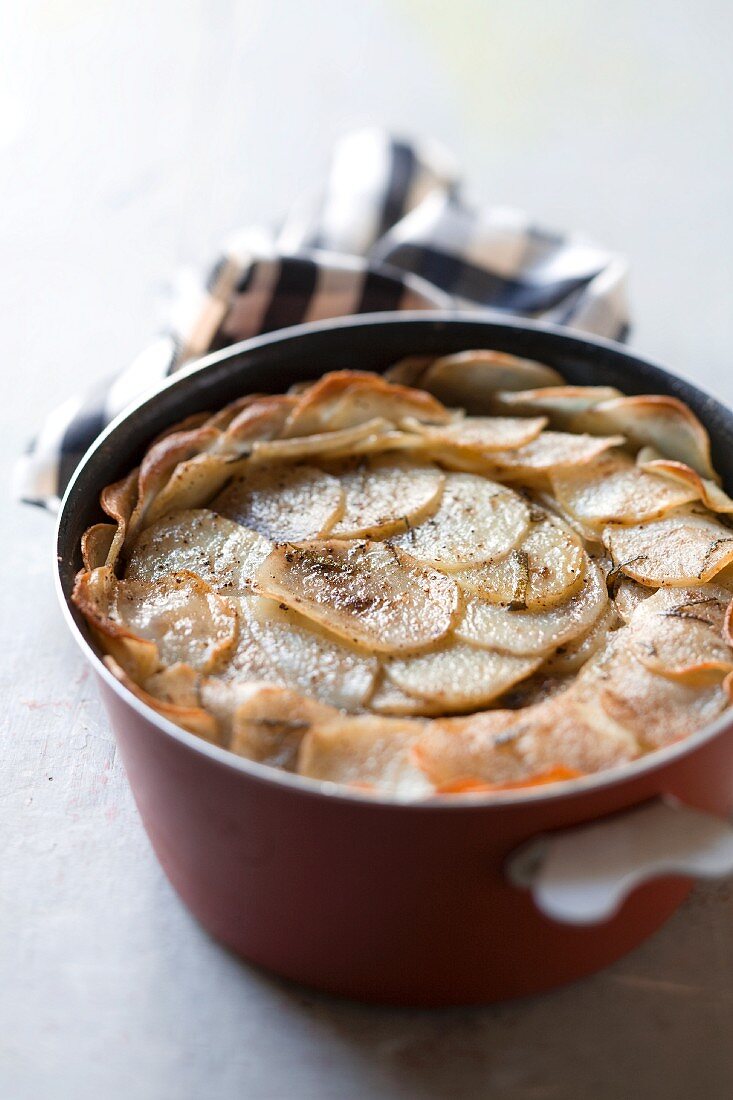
pixel 283 502
pixel 385 496
pixel 614 489
pixel 678 632
pixel 573 655
pixel 188 714
pixel 407 371
pixel 557 739
pixel 343 399
pixel 141 624
pixel 687 546
pixel 552 451
pixel 559 403
pixel 477 520
pixel 365 751
pixel 320 443
pixel 481 433
pixel 704 489
pixel 657 710
pixel 372 594
pixel 469 379
pixel 221 552
pixel 534 633
pixel 653 420
pixel 459 677
pixel 270 722
pixel 547 569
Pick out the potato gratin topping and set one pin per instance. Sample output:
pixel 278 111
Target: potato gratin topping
pixel 359 582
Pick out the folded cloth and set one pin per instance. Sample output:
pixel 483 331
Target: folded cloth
pixel 390 231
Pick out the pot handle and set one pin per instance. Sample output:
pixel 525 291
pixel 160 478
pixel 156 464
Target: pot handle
pixel 583 874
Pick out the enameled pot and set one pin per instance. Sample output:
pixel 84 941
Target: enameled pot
pixel 458 900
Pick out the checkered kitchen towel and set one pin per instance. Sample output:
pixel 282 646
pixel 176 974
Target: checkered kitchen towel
pixel 390 231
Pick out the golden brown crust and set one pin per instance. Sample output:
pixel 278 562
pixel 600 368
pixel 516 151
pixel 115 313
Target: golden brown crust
pixel 373 615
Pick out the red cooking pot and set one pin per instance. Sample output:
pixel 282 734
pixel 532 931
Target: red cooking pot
pixel 455 900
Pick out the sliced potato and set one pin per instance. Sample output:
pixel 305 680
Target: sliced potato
pixel 653 420
pixel 552 451
pixel 192 484
pixel 385 496
pixel 627 595
pixel 477 521
pixel 481 434
pixel 365 751
pixel 321 443
pixel 678 632
pixel 189 714
pixel 310 660
pixel 143 624
pixel 534 633
pixel 614 489
pixel 689 545
pixel 407 371
pixel 469 379
pixel 269 724
pixel 388 699
pixel 557 739
pixel 657 710
pixel 547 569
pixel 344 399
pixel 459 677
pixel 704 489
pixel 573 655
pixel 370 593
pixel 283 502
pixel 221 552
pixel 559 403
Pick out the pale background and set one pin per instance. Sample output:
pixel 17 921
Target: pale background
pixel 132 137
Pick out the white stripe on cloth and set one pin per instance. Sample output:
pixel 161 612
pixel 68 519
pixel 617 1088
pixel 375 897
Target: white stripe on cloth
pixel 389 231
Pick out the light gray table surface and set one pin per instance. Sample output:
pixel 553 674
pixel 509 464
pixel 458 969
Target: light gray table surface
pixel 132 137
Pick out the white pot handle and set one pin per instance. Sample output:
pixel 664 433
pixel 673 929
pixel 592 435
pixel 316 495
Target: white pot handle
pixel 582 875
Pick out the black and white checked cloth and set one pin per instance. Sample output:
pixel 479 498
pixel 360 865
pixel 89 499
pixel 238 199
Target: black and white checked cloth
pixel 390 231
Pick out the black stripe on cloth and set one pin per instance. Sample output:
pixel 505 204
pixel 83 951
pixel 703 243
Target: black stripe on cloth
pixel 466 280
pixel 292 294
pixel 381 292
pixel 401 174
pixel 80 433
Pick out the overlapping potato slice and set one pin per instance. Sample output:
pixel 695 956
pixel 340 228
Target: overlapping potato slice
pixel 477 520
pixel 534 633
pixel 283 502
pixel 656 710
pixel 701 488
pixel 573 655
pixel 365 751
pixel 551 451
pixel 627 595
pixel 613 488
pixel 407 371
pixel 469 379
pixel 546 569
pixel 387 495
pixel 370 593
pixel 559 403
pixel 309 659
pixel 391 700
pixel 269 723
pixel 343 441
pixel 652 420
pixel 480 434
pixel 687 546
pixel 557 739
pixel 221 552
pixel 144 624
pixel 678 632
pixel 344 399
pixel 188 714
pixel 459 677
